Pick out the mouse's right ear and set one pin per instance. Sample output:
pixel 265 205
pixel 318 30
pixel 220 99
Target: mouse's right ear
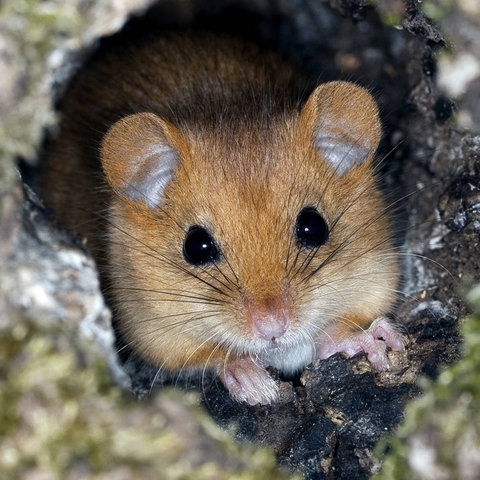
pixel 139 157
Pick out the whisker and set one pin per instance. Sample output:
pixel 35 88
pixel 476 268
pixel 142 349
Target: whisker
pixel 179 296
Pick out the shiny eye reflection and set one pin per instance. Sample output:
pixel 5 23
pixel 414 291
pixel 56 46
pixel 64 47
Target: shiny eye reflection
pixel 199 247
pixel 311 229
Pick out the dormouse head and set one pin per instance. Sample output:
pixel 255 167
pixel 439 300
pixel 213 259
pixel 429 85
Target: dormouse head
pixel 249 234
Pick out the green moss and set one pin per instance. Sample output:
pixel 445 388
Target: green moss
pixel 437 10
pixel 61 419
pixel 61 416
pixel 441 430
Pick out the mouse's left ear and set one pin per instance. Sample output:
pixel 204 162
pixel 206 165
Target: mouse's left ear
pixel 344 124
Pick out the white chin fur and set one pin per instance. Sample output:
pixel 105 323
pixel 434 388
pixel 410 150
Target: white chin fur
pixel 292 359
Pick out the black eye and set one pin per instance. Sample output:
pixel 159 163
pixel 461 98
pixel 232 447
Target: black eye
pixel 311 229
pixel 199 247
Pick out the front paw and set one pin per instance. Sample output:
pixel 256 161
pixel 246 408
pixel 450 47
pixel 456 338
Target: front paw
pixel 374 342
pixel 248 381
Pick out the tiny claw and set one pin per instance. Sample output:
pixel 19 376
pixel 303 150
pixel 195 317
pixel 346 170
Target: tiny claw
pixel 381 329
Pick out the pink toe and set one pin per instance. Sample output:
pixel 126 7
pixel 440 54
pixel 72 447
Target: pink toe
pixel 248 381
pixel 373 342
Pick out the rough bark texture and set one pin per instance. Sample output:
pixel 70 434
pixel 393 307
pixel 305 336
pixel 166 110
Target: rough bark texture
pixel 330 418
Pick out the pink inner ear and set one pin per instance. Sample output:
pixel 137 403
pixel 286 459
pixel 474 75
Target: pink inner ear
pixel 151 174
pixel 342 153
pixel 139 157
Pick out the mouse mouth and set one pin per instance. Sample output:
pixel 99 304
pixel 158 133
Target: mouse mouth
pixel 274 343
pixel 289 353
pixel 290 357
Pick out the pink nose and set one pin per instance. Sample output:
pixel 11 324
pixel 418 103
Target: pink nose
pixel 269 327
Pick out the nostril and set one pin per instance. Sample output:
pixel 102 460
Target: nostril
pixel 269 327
